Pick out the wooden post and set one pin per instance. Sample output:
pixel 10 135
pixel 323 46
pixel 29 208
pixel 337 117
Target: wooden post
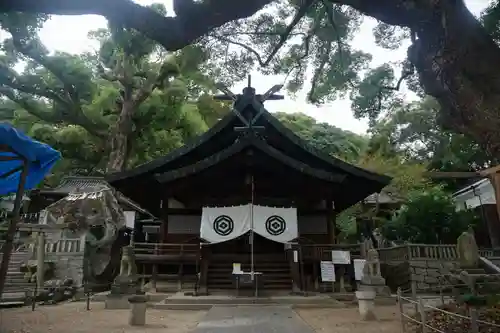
pixel 154 277
pixel 423 317
pixel 40 260
pixel 414 294
pixel 441 295
pixel 330 220
pixel 341 279
pixel 401 315
pixel 494 236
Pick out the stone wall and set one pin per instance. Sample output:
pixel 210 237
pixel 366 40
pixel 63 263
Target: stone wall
pixel 397 275
pixel 67 265
pixel 426 272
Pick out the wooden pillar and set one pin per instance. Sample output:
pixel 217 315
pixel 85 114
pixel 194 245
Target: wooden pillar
pixel 40 260
pixel 292 255
pixel 493 230
pixel 164 224
pixel 330 221
pixel 204 263
pixel 154 277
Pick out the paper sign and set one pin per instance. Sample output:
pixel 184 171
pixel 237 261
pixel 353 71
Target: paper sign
pixel 327 271
pixel 295 256
pixel 359 264
pixel 236 268
pixel 341 257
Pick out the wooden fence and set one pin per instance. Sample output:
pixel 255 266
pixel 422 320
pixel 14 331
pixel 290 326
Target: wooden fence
pixel 446 252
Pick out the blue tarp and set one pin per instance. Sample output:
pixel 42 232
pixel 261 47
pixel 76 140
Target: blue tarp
pixel 40 157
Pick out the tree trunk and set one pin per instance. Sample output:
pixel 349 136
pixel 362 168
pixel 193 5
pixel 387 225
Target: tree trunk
pixel 456 60
pixel 119 138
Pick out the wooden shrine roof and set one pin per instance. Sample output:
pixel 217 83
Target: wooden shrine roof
pixel 222 142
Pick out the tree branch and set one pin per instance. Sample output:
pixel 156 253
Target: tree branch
pixel 173 33
pixel 27 104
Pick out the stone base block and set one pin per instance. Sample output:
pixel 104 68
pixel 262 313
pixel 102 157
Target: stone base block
pixel 137 310
pixel 366 304
pixel 117 302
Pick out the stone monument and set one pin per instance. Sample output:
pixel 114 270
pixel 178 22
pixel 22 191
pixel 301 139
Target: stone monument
pixel 126 283
pixel 468 252
pixel 372 277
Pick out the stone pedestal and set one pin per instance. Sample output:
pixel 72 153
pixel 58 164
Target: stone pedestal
pixel 122 288
pixel 366 304
pixel 374 283
pixel 138 305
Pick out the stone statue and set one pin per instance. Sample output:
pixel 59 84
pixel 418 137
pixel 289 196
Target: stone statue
pixel 127 281
pixel 372 266
pixel 372 277
pixel 127 264
pixel 366 246
pixel 468 252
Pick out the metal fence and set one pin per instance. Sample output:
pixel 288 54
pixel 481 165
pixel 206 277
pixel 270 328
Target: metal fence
pixel 416 314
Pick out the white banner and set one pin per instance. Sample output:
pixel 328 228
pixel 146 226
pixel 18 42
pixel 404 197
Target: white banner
pixel 277 224
pixel 220 224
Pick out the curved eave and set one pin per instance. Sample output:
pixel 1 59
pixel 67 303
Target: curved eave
pixel 150 166
pixel 348 168
pixel 238 147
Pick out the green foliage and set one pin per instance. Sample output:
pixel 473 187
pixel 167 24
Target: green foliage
pixel 73 102
pixel 318 44
pixel 406 178
pixel 428 217
pixel 413 131
pixel 324 137
pixel 491 20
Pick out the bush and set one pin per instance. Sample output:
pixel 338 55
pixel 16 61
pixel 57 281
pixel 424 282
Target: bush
pixel 429 217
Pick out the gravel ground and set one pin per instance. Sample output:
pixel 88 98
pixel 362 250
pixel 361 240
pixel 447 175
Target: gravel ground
pixel 347 320
pixel 74 318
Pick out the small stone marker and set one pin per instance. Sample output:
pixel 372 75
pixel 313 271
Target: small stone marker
pixel 467 249
pixel 138 305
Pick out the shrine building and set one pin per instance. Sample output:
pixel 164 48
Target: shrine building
pixel 248 191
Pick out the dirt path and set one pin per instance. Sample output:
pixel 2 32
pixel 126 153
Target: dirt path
pixel 347 320
pixel 73 318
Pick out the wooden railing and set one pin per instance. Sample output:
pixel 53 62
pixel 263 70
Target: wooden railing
pixel 65 245
pixel 68 245
pixel 428 252
pixel 164 249
pixel 419 251
pixel 489 253
pixel 323 251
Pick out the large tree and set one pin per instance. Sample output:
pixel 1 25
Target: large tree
pixel 413 130
pixel 453 55
pixel 126 104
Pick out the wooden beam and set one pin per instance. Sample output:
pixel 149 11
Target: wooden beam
pixel 197 211
pixel 451 174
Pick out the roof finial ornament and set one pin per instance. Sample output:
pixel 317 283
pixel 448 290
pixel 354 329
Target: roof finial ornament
pixel 248 99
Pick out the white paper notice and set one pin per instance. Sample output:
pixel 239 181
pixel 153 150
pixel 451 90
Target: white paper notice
pixel 327 271
pixel 359 264
pixel 295 256
pixel 237 268
pixel 341 257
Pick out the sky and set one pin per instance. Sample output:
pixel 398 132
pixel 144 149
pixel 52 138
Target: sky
pixel 69 34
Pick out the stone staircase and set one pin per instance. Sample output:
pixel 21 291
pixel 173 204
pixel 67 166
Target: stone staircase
pixel 274 267
pixel 15 282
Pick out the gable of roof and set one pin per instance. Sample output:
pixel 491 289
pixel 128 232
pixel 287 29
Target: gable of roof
pixel 153 166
